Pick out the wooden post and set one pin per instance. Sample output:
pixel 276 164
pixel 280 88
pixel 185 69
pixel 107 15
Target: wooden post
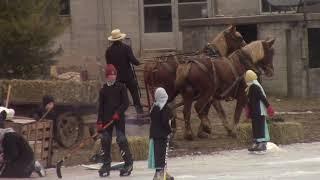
pixel 8 95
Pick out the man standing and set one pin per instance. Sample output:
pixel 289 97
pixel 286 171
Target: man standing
pixel 113 102
pixel 122 57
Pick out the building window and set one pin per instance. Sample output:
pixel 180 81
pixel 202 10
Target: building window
pixel 190 9
pixel 157 16
pixel 313 44
pixel 65 7
pixel 266 7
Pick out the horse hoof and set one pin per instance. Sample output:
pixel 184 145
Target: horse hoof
pixel 232 134
pixel 207 129
pixel 203 135
pixel 188 137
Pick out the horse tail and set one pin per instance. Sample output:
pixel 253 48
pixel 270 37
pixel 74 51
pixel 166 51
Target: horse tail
pixel 181 75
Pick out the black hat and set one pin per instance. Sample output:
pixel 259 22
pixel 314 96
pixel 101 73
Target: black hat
pixel 47 99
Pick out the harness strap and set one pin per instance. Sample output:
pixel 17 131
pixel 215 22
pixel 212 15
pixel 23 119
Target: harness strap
pixel 236 82
pixel 215 79
pixel 234 71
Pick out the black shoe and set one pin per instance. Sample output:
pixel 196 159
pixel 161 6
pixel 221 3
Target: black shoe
pixel 104 171
pixel 253 147
pixel 38 168
pixel 260 147
pixel 126 170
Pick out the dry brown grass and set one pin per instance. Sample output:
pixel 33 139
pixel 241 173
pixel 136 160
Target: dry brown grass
pixel 280 133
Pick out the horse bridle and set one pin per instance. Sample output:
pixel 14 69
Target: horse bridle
pixel 232 36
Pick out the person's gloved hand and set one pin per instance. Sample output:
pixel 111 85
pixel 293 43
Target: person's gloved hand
pixel 99 127
pixel 270 111
pixel 116 116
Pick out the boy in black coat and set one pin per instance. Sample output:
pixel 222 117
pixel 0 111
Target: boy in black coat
pixel 17 158
pixel 258 108
pixel 113 102
pixel 159 131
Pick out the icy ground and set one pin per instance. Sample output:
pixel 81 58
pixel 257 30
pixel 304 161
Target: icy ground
pixel 293 162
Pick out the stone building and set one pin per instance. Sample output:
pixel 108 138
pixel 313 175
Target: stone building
pixel 169 25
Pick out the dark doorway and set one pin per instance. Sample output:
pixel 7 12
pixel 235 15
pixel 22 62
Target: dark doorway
pixel 249 32
pixel 314 47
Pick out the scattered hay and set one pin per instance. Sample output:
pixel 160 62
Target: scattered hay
pixel 64 92
pixel 280 132
pixel 139 147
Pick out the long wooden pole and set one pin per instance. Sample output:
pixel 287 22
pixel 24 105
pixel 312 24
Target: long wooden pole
pixel 8 95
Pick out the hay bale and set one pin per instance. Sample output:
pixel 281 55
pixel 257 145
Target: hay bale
pixel 64 92
pixel 280 132
pixel 139 147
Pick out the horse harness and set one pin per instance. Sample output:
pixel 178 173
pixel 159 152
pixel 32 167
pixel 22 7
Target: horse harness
pixel 243 58
pixel 212 50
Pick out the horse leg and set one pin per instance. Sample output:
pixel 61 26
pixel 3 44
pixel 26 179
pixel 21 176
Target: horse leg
pixel 205 126
pixel 202 107
pixel 148 94
pixel 222 115
pixel 174 118
pixel 239 107
pixel 187 99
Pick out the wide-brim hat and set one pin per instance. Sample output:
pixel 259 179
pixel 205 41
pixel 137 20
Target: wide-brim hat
pixel 116 35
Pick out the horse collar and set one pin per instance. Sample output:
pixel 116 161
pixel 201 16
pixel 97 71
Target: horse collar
pixel 213 51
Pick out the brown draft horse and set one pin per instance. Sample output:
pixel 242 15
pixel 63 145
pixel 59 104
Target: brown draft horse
pixel 162 72
pixel 220 79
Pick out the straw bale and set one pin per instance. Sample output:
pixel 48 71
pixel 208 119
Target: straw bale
pixel 64 92
pixel 280 132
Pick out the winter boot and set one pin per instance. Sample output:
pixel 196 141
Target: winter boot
pixel 38 168
pixel 261 146
pixel 126 156
pixel 104 171
pixel 126 170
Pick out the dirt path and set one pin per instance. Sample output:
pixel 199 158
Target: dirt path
pixel 219 140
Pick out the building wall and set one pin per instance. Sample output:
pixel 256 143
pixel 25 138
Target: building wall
pixel 85 40
pixel 126 17
pixel 80 40
pixel 237 7
pixel 278 83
